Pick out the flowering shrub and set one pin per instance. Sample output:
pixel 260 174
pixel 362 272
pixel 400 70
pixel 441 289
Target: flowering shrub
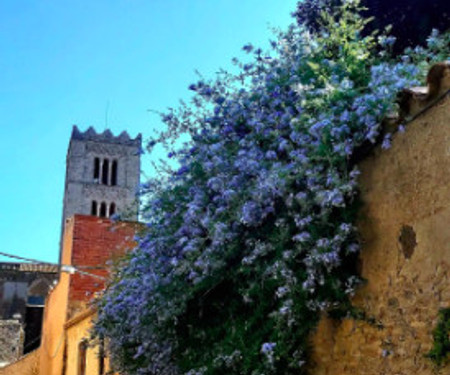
pixel 252 235
pixel 410 24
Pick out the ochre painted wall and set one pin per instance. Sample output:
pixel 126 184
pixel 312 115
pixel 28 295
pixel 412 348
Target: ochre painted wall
pixel 76 333
pixel 406 194
pixel 55 314
pixel 88 241
pixel 78 329
pixel 27 365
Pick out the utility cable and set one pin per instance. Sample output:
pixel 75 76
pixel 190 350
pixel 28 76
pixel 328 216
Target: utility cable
pixel 27 259
pixel 37 338
pixel 62 267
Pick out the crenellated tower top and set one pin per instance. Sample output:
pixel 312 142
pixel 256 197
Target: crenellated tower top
pixel 106 137
pixel 102 174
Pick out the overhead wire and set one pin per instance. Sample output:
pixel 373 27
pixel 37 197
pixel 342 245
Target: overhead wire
pixel 8 255
pixel 62 267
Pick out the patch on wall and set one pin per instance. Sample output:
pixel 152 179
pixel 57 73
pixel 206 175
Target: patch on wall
pixel 408 241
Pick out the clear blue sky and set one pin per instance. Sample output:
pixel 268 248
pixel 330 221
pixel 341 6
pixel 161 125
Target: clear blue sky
pixel 69 62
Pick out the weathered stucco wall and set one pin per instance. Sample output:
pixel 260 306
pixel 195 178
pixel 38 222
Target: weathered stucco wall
pixel 78 330
pixel 405 229
pixel 90 241
pixel 27 365
pixel 55 314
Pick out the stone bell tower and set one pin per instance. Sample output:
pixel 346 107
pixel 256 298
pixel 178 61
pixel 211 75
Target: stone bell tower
pixel 102 174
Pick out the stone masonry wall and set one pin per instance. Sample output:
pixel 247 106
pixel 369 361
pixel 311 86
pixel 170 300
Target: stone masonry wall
pixel 11 340
pixel 81 188
pixel 405 229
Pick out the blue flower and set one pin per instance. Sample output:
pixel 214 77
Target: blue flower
pixel 251 214
pixel 271 155
pixel 386 142
pixel 268 347
pixel 247 48
pixel 302 237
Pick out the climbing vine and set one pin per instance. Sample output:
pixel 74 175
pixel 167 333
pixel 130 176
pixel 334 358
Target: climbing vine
pixel 252 235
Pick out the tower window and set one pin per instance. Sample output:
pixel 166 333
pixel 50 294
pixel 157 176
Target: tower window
pixel 94 208
pixel 96 169
pixel 105 172
pixel 114 173
pixel 102 209
pixel 112 209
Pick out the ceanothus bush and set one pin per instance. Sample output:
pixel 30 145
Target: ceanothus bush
pixel 252 235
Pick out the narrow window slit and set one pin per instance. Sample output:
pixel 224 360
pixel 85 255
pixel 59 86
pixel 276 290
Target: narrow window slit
pixel 114 173
pixel 94 208
pixel 105 172
pixel 101 357
pixel 112 209
pixel 82 356
pixel 103 210
pixel 96 169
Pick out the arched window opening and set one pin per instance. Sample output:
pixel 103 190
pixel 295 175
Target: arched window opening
pixel 105 172
pixel 112 209
pixel 82 351
pixel 114 173
pixel 96 169
pixel 103 210
pixel 94 208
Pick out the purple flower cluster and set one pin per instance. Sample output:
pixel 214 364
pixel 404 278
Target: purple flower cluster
pixel 258 214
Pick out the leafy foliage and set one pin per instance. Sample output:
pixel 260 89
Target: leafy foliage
pixel 252 235
pixel 410 22
pixel 440 352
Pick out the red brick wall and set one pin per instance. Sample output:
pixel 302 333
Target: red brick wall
pixel 95 242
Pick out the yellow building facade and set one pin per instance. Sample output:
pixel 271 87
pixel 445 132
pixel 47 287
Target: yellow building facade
pixel 66 345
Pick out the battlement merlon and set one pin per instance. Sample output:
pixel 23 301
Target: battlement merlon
pixel 106 137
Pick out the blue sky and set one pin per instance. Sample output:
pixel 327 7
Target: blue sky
pixel 103 63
